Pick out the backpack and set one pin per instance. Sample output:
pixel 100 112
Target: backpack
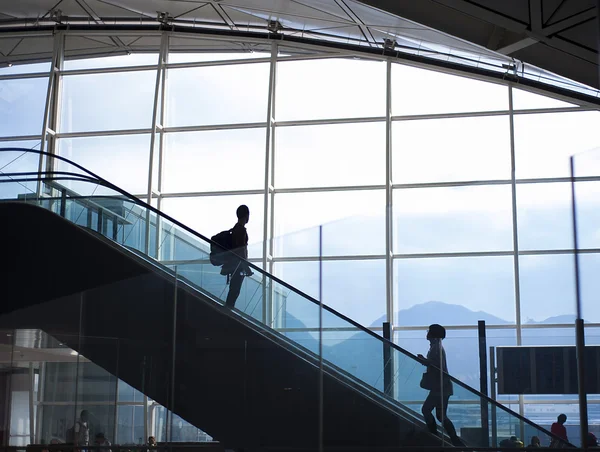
pixel 219 248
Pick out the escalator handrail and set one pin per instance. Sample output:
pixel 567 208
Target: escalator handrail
pixel 94 178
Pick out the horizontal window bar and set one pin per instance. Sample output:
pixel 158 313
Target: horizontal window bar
pixel 22 76
pixel 103 133
pixel 213 63
pixel 212 193
pixel 318 122
pixel 199 128
pixel 21 138
pixel 532 326
pixel 366 257
pixel 324 189
pixel 107 70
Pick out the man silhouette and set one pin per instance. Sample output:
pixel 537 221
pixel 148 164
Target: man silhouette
pixel 559 429
pixel 236 267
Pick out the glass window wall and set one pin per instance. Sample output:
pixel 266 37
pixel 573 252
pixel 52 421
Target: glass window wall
pixel 457 207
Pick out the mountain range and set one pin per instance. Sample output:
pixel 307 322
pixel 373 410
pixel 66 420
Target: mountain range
pixel 362 355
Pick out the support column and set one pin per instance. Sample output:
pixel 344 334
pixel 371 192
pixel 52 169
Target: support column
pixel 155 120
pixel 50 123
pixel 269 219
pixel 160 140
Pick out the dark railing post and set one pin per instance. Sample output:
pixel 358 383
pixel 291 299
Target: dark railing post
pixel 63 203
pixel 493 396
pixel 388 371
pixel 100 221
pixel 483 383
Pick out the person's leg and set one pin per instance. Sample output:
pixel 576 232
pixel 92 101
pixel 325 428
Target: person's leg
pixel 235 284
pixel 427 410
pixel 441 413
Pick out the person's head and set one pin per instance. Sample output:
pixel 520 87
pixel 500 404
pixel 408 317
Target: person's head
pixel 562 418
pixel 436 331
pixel 152 441
pixel 85 415
pixel 100 438
pixel 243 214
pixel 535 441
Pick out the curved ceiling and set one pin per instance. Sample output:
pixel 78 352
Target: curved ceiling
pixel 431 30
pixel 560 36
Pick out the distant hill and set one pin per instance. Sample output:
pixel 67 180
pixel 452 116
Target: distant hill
pixel 362 355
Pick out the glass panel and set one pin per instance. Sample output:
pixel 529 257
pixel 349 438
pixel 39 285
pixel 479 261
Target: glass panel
pixel 354 288
pixel 547 288
pixel 538 207
pixel 130 428
pixel 217 94
pixel 25 68
pixel 226 160
pixel 589 268
pixel 344 216
pixel 17 162
pixel 544 143
pixel 210 215
pixel 22 103
pixel 456 219
pixel 122 160
pixel 450 290
pixel 330 88
pixel 121 100
pixel 441 150
pixel 325 156
pixel 525 100
pixel 134 59
pixel 420 91
pixel 28 144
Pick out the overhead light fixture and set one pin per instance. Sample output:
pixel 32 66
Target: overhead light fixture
pixel 9 64
pixel 164 17
pixel 74 353
pixel 274 26
pixel 389 44
pixel 56 15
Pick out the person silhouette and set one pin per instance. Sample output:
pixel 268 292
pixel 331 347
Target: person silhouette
pixel 559 430
pixel 440 386
pixel 236 267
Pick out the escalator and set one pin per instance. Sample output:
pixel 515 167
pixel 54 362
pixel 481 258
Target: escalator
pixel 133 291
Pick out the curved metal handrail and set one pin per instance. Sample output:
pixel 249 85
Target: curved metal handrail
pixel 94 178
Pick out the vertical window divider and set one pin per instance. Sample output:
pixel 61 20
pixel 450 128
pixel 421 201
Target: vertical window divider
pixel 514 216
pixel 389 220
pixel 515 240
pixel 267 259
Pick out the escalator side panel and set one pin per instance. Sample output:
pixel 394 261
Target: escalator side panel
pixel 243 389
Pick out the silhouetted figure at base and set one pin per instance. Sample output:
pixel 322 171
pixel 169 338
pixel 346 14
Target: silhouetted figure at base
pixel 535 443
pixel 558 429
pixel 236 267
pixel 439 386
